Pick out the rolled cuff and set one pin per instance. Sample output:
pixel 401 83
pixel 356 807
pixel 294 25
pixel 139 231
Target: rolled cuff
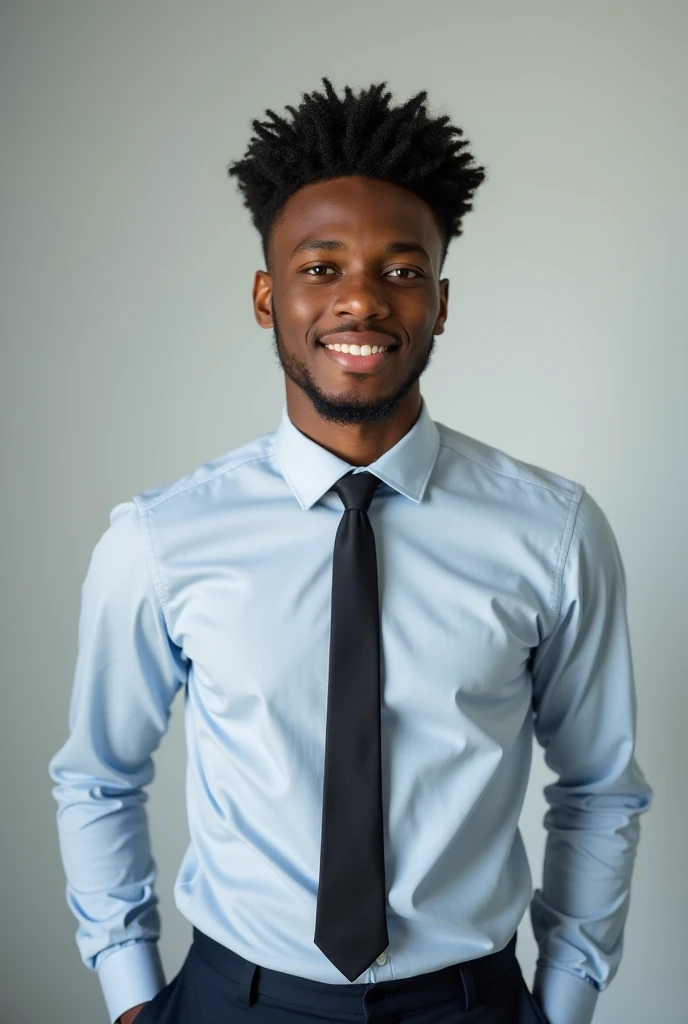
pixel 564 997
pixel 130 975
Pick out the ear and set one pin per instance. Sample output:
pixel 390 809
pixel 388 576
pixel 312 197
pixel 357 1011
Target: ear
pixel 262 298
pixel 444 306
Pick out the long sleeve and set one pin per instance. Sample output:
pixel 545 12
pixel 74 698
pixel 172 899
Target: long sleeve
pixel 127 673
pixel 585 719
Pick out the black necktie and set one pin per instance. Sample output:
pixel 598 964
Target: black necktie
pixel 351 922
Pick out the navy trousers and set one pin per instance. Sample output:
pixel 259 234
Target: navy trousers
pixel 217 986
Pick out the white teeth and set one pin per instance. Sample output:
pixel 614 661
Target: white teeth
pixel 358 350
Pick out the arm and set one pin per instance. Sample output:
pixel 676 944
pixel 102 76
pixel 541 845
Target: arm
pixel 127 673
pixel 585 717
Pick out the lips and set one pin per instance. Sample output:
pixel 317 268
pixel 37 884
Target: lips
pixel 358 364
pixel 359 338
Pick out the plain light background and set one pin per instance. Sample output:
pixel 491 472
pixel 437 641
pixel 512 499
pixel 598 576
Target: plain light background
pixel 130 355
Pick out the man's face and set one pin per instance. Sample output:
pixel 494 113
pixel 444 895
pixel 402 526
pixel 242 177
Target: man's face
pixel 333 279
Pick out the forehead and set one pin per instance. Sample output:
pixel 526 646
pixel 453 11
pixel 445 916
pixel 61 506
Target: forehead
pixel 354 210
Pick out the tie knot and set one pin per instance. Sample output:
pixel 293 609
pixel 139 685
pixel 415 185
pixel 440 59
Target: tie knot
pixel 356 490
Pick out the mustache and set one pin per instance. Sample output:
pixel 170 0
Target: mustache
pixel 361 329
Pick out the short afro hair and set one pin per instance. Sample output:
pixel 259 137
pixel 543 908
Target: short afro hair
pixel 330 137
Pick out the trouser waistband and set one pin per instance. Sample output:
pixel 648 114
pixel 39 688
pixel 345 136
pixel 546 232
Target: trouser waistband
pixel 469 979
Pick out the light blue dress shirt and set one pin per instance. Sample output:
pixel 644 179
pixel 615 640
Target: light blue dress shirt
pixel 503 614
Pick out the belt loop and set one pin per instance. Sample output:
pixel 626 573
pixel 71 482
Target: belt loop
pixel 247 992
pixel 468 985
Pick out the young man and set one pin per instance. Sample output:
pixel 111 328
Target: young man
pixel 370 614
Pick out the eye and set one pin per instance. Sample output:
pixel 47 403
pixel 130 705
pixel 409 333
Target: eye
pixel 406 270
pixel 318 266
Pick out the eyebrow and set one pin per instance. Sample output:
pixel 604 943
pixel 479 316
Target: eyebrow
pixel 331 245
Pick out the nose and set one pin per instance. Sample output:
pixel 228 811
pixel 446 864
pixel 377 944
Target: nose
pixel 361 296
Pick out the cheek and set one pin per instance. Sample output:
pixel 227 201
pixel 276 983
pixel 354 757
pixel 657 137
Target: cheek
pixel 431 312
pixel 420 326
pixel 297 308
pixel 418 313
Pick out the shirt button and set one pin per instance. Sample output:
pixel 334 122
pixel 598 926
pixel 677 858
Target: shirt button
pixel 382 959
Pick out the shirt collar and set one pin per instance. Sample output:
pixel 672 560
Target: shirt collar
pixel 311 470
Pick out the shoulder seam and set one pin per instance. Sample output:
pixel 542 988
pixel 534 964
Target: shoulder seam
pixel 564 548
pixel 151 559
pixel 510 476
pixel 146 506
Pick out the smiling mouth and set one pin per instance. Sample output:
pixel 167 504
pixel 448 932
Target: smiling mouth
pixel 363 359
pixel 360 343
pixel 357 350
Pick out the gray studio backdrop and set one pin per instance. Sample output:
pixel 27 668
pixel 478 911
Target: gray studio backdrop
pixel 130 355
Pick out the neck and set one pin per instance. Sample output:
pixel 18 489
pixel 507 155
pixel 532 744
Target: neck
pixel 359 444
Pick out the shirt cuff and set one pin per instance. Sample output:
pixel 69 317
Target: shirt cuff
pixel 564 997
pixel 130 975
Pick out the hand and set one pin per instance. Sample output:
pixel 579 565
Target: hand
pixel 130 1016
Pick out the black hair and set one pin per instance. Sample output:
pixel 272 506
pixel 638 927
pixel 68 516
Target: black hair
pixel 329 137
